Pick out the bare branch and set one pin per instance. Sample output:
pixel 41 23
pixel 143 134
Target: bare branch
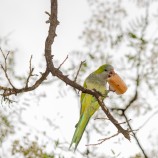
pixel 5 57
pixel 30 72
pixel 82 62
pixel 7 100
pixel 100 141
pixel 150 117
pixel 11 91
pixel 112 119
pixel 56 72
pixel 48 21
pixel 63 62
pixel 4 88
pixel 47 13
pixel 135 137
pixel 103 118
pixel 4 68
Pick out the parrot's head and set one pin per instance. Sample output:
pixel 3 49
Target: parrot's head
pixel 105 71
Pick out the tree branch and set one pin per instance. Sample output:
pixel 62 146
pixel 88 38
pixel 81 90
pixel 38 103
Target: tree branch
pixel 5 69
pixel 30 72
pixel 56 72
pixel 11 91
pixel 100 141
pixel 79 70
pixel 135 137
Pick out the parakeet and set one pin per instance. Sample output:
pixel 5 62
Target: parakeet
pixel 89 105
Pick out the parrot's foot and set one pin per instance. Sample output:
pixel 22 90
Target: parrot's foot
pixel 106 93
pixel 111 89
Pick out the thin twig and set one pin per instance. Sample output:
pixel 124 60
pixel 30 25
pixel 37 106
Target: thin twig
pixel 135 137
pixel 77 92
pixel 48 21
pixel 5 57
pixel 11 91
pixel 125 121
pixel 30 72
pixel 47 13
pixel 101 118
pixel 56 72
pixel 82 62
pixel 63 62
pixel 5 69
pixel 7 100
pixel 112 119
pixel 103 140
pixel 150 117
pixel 4 88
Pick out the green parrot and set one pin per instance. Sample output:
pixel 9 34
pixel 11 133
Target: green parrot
pixel 89 105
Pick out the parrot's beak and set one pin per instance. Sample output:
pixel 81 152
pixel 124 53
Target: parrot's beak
pixel 112 72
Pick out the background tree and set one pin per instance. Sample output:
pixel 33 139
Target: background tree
pixel 129 43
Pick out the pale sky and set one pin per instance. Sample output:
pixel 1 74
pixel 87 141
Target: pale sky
pixel 25 20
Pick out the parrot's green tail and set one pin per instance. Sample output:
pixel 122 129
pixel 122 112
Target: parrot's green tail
pixel 80 127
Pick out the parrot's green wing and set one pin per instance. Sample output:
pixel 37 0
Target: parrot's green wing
pixel 87 99
pixel 88 107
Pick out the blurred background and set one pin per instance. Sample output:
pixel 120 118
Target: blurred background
pixel 41 123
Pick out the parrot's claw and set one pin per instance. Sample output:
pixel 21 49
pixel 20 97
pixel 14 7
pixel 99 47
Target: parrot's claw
pixel 106 93
pixel 111 89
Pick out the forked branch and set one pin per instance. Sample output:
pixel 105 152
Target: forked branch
pixel 53 22
pixel 56 72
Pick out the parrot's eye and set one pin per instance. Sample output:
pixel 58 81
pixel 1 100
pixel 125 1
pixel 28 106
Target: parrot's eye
pixel 105 70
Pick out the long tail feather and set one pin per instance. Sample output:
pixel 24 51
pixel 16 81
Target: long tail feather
pixel 80 127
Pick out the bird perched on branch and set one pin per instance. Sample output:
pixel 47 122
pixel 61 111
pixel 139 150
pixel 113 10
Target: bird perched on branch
pixel 89 105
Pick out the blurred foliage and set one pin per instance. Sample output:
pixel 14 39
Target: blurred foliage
pixel 137 156
pixel 30 149
pixel 6 128
pixel 123 34
pixel 111 35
